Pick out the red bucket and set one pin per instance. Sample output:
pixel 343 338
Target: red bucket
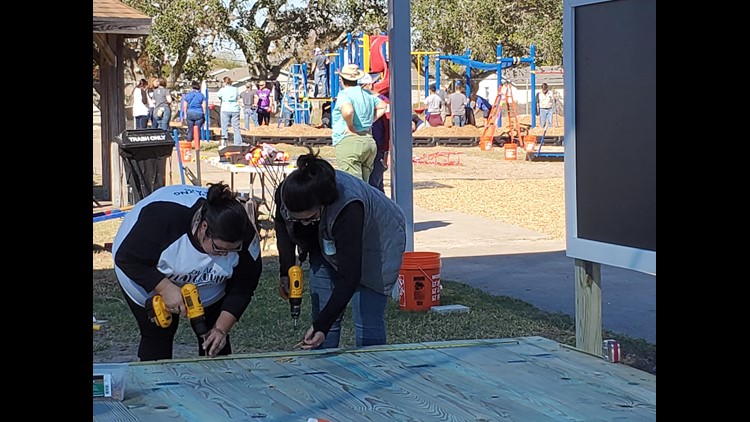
pixel 419 281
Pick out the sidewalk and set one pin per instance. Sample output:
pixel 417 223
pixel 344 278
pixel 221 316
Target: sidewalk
pixel 502 259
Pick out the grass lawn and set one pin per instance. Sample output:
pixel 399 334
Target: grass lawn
pixel 266 326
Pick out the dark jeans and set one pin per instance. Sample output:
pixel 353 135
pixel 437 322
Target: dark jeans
pixel 264 117
pixel 156 342
pixel 378 169
pixel 141 122
pixel 194 118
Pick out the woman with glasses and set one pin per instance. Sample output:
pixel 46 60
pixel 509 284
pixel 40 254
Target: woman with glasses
pixel 355 238
pixel 187 234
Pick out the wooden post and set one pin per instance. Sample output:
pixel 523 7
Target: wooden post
pixel 112 108
pixel 588 277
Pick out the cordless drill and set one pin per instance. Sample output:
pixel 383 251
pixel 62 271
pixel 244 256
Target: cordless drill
pixel 159 315
pixel 295 292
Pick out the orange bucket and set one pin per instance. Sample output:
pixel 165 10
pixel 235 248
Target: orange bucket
pixel 511 151
pixel 529 142
pixel 485 144
pixel 419 281
pixel 186 151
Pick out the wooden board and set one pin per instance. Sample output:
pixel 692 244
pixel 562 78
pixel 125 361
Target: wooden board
pixel 456 140
pixel 521 379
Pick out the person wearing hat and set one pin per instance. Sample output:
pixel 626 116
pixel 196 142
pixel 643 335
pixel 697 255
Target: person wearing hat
pixel 351 119
pixel 320 65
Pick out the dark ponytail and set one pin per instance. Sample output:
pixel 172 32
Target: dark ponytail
pixel 226 217
pixel 312 184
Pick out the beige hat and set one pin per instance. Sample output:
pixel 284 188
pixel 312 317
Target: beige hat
pixel 351 72
pixel 261 83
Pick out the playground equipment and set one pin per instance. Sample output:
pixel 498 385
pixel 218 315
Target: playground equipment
pixel 504 102
pixel 296 95
pixel 534 153
pixel 372 60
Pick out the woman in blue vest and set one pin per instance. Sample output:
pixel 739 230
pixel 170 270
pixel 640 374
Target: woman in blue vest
pixel 355 238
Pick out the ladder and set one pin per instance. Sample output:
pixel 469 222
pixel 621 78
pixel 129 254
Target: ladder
pixel 503 100
pixel 296 88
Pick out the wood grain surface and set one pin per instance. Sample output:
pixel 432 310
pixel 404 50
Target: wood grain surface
pixel 518 379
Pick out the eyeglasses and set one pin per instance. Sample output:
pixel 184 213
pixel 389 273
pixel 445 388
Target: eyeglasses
pixel 312 219
pixel 217 249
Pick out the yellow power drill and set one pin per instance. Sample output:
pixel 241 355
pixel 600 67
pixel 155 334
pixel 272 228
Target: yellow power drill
pixel 295 292
pixel 159 315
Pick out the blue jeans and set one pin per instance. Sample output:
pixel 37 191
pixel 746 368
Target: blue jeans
pixel 250 115
pixel 545 117
pixel 287 118
pixel 234 117
pixel 163 121
pixel 459 121
pixel 368 306
pixel 194 118
pixel 321 80
pixel 152 118
pixel 376 177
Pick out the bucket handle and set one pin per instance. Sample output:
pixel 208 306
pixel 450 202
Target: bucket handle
pixel 425 274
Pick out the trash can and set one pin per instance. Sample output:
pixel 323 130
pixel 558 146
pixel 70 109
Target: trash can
pixel 144 152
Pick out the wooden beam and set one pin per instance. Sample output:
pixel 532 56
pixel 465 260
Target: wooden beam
pixel 588 278
pixel 105 52
pixel 122 26
pixel 112 107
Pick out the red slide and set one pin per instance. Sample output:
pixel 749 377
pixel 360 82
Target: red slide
pixel 378 62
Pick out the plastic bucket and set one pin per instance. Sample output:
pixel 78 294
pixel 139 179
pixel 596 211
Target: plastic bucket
pixel 186 151
pixel 511 151
pixel 485 144
pixel 419 281
pixel 529 142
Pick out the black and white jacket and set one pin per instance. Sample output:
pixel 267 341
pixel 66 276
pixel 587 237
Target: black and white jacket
pixel 155 240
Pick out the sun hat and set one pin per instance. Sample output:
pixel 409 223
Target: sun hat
pixel 351 72
pixel 317 50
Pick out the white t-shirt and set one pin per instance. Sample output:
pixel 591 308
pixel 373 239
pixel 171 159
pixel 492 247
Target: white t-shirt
pixel 139 109
pixel 434 104
pixel 545 100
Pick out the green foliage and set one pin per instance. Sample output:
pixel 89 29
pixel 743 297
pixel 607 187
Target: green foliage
pixel 274 33
pixel 453 27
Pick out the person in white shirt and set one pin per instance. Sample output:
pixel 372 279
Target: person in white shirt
pixel 140 105
pixel 434 107
pixel 544 103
